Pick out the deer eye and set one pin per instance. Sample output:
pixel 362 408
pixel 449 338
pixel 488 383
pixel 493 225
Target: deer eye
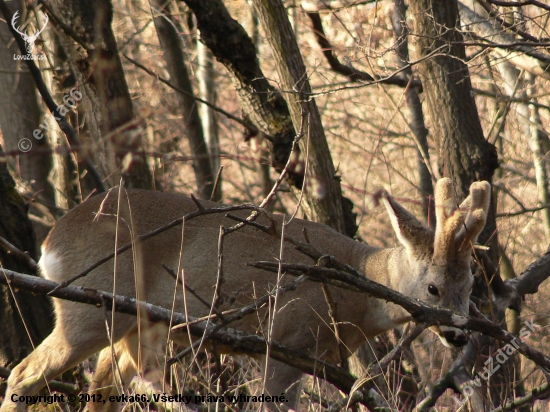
pixel 432 289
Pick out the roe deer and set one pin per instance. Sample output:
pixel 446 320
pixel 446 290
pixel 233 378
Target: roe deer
pixel 432 267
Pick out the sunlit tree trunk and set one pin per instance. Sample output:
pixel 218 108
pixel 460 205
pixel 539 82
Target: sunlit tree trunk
pixel 207 88
pixel 416 115
pixel 174 56
pixel 323 193
pixel 96 64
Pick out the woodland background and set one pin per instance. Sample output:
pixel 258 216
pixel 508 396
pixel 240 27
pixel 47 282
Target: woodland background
pixel 207 97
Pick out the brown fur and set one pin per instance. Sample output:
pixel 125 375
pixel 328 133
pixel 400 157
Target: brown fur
pixel 302 321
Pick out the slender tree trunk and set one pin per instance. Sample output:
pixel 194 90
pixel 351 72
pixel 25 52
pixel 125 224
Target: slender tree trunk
pixel 539 158
pixel 174 56
pixel 323 193
pixel 464 154
pixel 529 120
pixel 417 116
pixel 63 175
pixel 207 89
pixel 265 175
pixel 99 73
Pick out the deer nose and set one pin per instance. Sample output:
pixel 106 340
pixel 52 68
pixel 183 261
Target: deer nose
pixel 456 339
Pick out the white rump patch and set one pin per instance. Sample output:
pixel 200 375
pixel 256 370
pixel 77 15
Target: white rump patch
pixel 50 266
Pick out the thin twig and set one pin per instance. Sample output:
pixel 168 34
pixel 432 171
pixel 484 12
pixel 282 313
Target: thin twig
pixel 242 122
pixel 24 256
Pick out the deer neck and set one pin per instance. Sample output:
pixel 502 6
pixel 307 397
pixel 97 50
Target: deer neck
pixel 391 268
pixel 377 264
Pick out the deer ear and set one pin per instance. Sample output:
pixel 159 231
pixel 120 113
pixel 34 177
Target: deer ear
pixel 410 232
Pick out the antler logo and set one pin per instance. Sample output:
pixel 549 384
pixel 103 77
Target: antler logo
pixel 30 40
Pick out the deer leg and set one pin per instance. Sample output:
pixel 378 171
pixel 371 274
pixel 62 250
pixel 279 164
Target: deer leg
pixel 283 380
pixel 56 354
pixel 112 379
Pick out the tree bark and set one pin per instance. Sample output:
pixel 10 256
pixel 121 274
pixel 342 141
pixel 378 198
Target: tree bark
pixel 464 154
pixel 207 89
pixel 417 116
pixel 174 57
pixel 262 105
pixel 323 193
pixel 95 61
pixel 265 175
pixel 539 156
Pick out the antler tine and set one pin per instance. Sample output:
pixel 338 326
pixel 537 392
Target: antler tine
pixel 466 203
pixel 478 207
pixel 445 202
pixel 449 221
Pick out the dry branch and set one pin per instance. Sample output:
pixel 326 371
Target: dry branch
pixel 349 71
pixel 491 32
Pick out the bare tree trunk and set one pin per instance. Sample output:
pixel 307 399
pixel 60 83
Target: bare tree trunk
pixel 417 116
pixel 536 146
pixel 174 56
pixel 464 154
pixel 63 175
pixel 98 70
pixel 207 88
pixel 528 116
pixel 265 176
pixel 323 193
pixel 529 120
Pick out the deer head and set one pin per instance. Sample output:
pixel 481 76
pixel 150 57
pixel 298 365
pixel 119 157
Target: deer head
pixel 30 40
pixel 440 261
